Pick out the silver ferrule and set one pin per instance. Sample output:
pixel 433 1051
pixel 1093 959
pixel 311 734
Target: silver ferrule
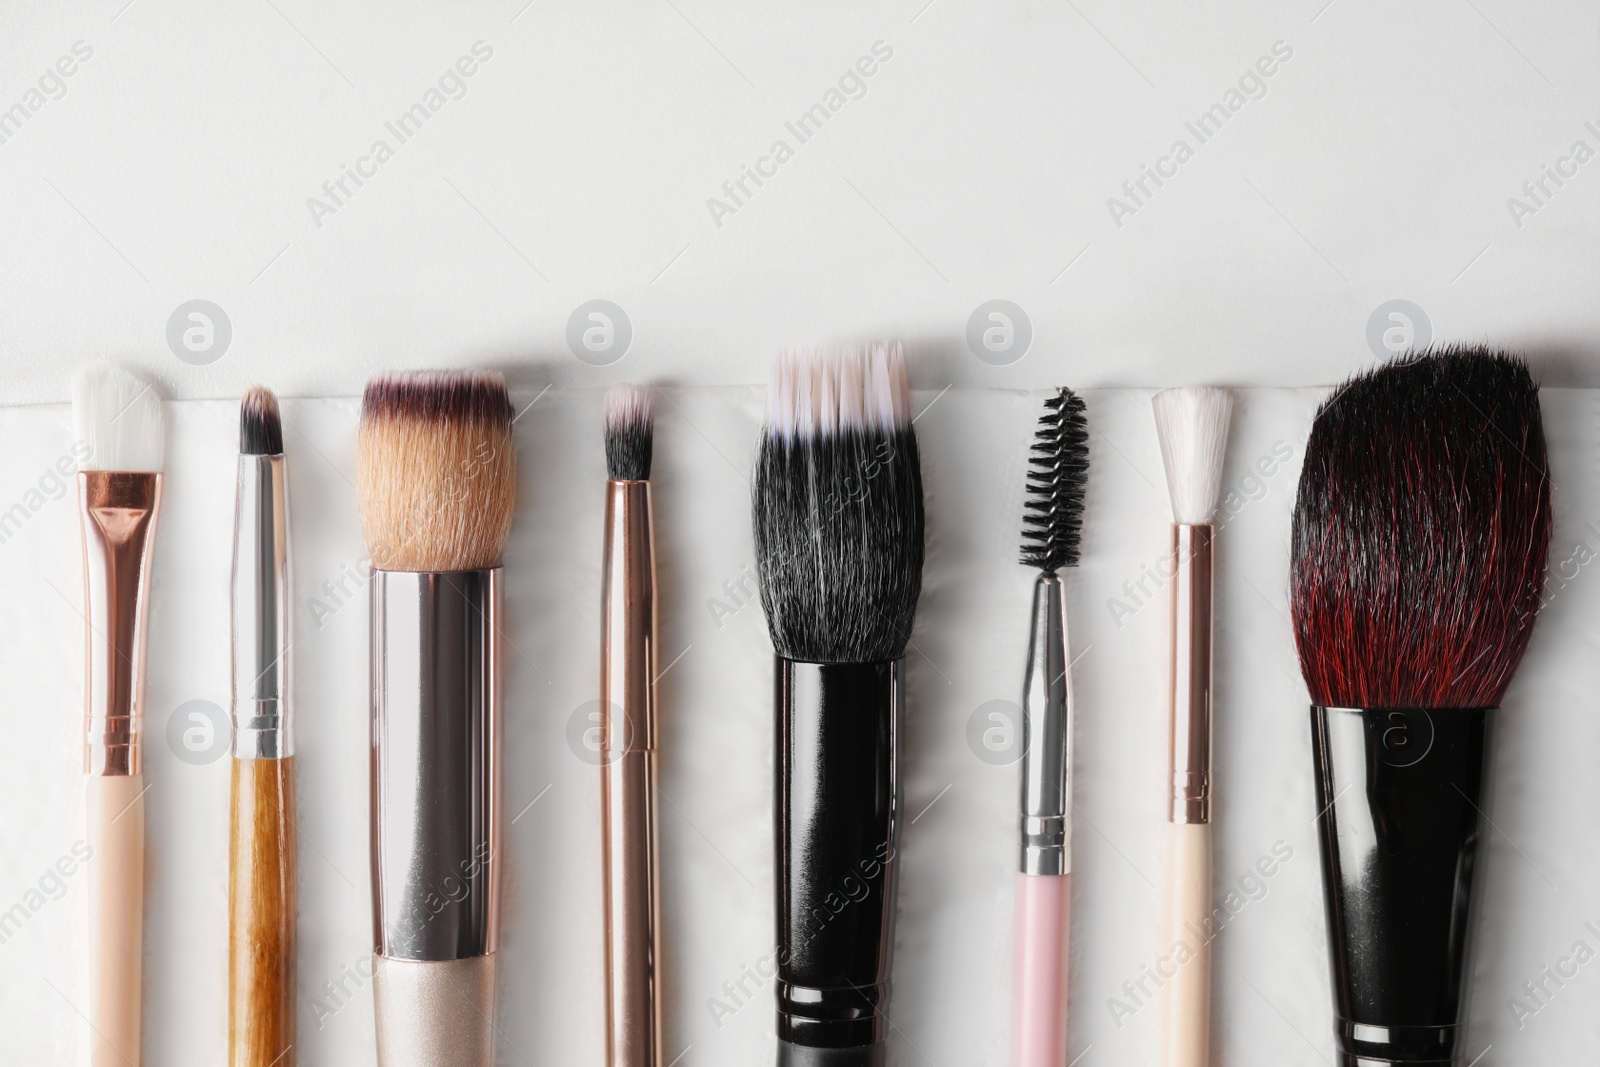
pixel 261 692
pixel 1047 736
pixel 1190 755
pixel 435 763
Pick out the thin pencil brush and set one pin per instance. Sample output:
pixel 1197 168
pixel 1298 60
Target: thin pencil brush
pixel 628 771
pixel 1052 528
pixel 1421 534
pixel 837 515
pixel 261 882
pixel 436 474
pixel 119 416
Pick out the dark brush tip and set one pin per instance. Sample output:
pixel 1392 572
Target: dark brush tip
pixel 450 396
pixel 1052 521
pixel 630 433
pixel 838 527
pixel 1421 532
pixel 260 427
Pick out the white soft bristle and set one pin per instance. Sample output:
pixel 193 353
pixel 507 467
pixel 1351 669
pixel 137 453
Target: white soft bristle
pixel 627 407
pixel 1192 424
pixel 118 414
pixel 818 394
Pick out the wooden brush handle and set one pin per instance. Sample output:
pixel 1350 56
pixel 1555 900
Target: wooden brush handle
pixel 261 915
pixel 116 917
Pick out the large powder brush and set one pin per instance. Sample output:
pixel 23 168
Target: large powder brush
pixel 1421 532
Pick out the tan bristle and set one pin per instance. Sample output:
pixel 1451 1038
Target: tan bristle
pixel 436 471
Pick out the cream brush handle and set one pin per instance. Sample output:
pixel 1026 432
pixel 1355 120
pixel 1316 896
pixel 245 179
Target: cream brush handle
pixel 116 917
pixel 1186 1006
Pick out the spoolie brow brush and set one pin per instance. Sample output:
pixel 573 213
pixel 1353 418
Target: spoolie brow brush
pixel 628 770
pixel 1051 531
pixel 837 509
pixel 1192 424
pixel 119 498
pixel 261 881
pixel 437 479
pixel 1421 534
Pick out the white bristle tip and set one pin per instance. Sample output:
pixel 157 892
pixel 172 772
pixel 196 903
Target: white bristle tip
pixel 627 406
pixel 1192 424
pixel 118 415
pixel 822 394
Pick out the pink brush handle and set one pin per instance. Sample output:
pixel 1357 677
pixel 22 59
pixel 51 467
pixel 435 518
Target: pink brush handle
pixel 1039 996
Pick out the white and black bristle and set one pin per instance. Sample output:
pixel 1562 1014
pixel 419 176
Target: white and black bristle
pixel 1192 424
pixel 630 433
pixel 837 507
pixel 260 425
pixel 1052 521
pixel 118 415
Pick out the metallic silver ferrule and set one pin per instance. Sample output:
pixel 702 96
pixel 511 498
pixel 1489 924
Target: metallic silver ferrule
pixel 1047 736
pixel 262 705
pixel 1190 756
pixel 435 763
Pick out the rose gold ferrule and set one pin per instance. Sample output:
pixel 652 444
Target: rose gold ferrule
pixel 117 511
pixel 628 780
pixel 1191 673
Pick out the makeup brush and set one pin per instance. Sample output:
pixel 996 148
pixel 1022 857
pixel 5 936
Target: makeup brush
pixel 1051 530
pixel 1421 532
pixel 436 475
pixel 1192 424
pixel 628 768
pixel 261 879
pixel 837 510
pixel 119 497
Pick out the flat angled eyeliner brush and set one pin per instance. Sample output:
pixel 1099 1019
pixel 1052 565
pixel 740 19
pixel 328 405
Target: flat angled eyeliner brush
pixel 119 500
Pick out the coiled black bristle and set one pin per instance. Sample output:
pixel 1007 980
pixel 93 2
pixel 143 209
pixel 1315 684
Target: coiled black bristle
pixel 837 508
pixel 1052 521
pixel 630 433
pixel 1421 533
pixel 260 428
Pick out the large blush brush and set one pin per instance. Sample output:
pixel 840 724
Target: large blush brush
pixel 1051 532
pixel 436 474
pixel 837 509
pixel 119 498
pixel 1192 424
pixel 1421 532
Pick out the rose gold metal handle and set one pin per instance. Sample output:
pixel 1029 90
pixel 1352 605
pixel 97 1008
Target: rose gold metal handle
pixel 628 781
pixel 1190 755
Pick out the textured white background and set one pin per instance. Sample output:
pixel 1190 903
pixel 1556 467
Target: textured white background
pixel 177 166
pixel 1272 1004
pixel 977 166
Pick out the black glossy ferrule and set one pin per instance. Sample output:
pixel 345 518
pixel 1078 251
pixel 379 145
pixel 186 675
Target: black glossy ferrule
pixel 1401 795
pixel 835 818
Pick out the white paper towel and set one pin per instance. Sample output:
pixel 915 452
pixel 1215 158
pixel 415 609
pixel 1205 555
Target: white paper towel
pixel 1272 1004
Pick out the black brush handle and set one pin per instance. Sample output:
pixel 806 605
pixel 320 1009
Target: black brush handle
pixel 835 820
pixel 1400 795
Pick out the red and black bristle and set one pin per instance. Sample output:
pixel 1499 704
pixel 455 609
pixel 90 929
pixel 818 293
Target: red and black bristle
pixel 1421 532
pixel 1058 469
